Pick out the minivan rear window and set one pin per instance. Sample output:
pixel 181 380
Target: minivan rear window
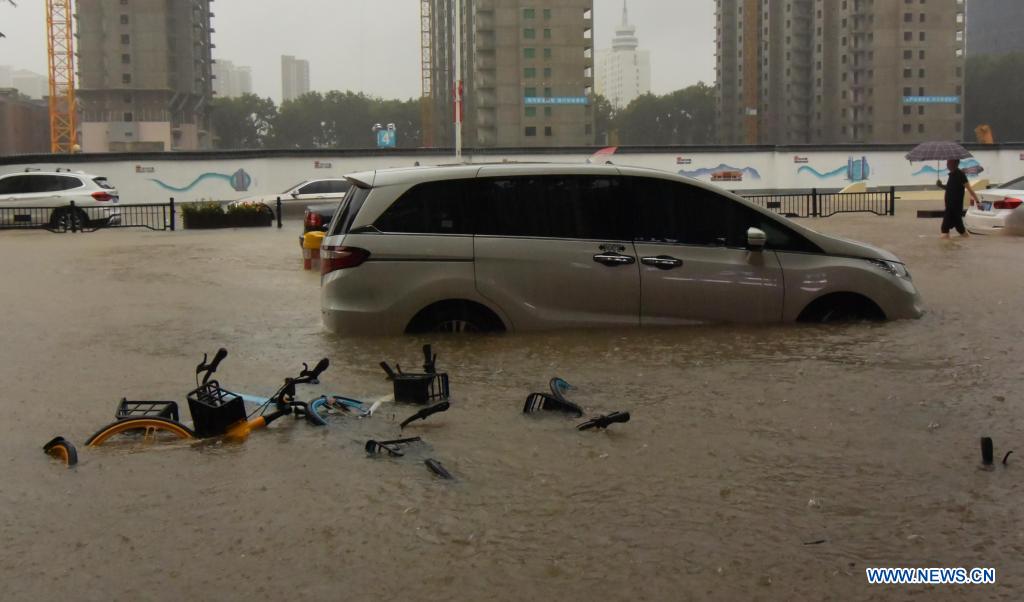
pixel 429 208
pixel 349 208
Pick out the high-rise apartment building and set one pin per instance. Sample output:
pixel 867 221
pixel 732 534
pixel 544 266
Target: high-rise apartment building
pixel 837 71
pixel 623 71
pixel 144 74
pixel 231 80
pixel 995 27
pixel 528 72
pixel 294 77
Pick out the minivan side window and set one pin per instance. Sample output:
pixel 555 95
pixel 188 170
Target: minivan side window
pixel 348 209
pixel 15 185
pixel 552 206
pixel 678 213
pixel 429 208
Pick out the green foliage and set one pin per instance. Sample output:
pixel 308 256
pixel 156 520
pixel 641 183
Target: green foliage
pixel 604 116
pixel 247 208
pixel 685 116
pixel 244 122
pixel 200 209
pixel 993 85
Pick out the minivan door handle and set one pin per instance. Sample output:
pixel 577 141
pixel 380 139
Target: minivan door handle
pixel 614 259
pixel 662 262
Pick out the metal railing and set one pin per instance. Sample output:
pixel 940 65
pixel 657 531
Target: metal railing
pixel 78 218
pixel 826 204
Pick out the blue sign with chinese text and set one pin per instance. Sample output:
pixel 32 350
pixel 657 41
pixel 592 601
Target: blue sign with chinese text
pixel 556 100
pixel 386 138
pixel 931 100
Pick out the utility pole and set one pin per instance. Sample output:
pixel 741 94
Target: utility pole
pixel 458 81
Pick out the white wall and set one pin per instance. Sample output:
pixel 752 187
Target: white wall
pixel 190 179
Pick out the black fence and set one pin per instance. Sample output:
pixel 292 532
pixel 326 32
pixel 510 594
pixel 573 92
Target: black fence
pixel 78 218
pixel 825 204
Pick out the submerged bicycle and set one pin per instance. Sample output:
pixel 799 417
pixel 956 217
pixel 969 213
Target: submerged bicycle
pixel 215 411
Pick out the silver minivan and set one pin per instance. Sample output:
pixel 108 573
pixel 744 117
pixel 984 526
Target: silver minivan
pixel 535 246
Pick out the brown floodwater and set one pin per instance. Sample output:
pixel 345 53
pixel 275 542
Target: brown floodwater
pixel 761 463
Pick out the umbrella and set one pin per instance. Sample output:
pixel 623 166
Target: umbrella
pixel 938 151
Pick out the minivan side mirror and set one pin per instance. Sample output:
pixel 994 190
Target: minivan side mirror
pixel 756 239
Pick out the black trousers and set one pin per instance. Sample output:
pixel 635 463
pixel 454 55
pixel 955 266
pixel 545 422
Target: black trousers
pixel 953 218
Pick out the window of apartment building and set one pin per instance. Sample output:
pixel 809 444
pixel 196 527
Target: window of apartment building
pixel 547 72
pixel 529 13
pixel 959 71
pixel 906 110
pixel 124 19
pixel 920 110
pixel 126 39
pixel 530 131
pixel 530 72
pixel 530 92
pixel 547 111
pixel 920 73
pixel 920 55
pixel 547 34
pixel 920 128
pixel 908 17
pixel 126 78
pixel 529 53
pixel 921 19
pixel 908 54
pixel 908 36
pixel 959 109
pixel 127 116
pixel 530 111
pixel 921 36
pixel 529 33
pixel 907 91
pixel 547 53
pixel 547 92
pixel 906 128
pixel 907 72
pixel 548 131
pixel 126 59
pixel 547 13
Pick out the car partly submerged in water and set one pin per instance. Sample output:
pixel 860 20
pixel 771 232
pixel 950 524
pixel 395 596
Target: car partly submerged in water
pixel 999 210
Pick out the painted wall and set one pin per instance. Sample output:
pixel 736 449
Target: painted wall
pixel 228 176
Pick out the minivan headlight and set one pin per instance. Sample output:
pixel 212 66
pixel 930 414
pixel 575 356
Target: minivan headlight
pixel 893 267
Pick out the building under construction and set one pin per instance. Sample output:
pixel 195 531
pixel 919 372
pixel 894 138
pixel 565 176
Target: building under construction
pixel 527 70
pixel 145 78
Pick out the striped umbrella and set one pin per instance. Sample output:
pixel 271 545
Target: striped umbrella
pixel 938 151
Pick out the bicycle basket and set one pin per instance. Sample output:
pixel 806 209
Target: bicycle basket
pixel 138 409
pixel 214 409
pixel 421 388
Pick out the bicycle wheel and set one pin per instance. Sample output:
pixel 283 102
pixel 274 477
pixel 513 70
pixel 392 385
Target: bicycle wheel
pixel 314 409
pixel 63 450
pixel 151 428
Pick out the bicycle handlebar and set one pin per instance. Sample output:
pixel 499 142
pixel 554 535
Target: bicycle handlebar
pixel 306 376
pixel 212 366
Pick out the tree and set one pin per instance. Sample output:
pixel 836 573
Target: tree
pixel 243 122
pixel 685 116
pixel 992 84
pixel 604 118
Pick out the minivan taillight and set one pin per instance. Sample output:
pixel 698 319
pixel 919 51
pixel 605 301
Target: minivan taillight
pixel 1007 203
pixel 102 196
pixel 339 258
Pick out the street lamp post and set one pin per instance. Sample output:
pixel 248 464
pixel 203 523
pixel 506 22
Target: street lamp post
pixel 458 80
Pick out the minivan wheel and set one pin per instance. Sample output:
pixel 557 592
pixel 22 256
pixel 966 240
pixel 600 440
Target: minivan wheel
pixel 842 308
pixel 455 317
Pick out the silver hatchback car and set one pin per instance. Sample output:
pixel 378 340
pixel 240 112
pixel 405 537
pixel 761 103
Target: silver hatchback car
pixel 532 247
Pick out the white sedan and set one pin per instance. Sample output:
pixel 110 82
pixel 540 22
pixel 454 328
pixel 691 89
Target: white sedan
pixel 1000 210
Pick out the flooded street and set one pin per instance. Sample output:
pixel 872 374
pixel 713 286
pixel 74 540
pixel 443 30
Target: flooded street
pixel 761 463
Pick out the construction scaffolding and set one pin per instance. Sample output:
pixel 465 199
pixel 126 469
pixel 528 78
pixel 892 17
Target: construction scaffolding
pixel 426 79
pixel 61 58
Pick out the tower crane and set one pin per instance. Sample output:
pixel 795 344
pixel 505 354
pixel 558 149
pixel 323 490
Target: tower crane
pixel 61 59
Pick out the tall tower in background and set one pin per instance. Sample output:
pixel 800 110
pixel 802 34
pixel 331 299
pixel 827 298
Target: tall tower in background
pixel 528 72
pixel 623 72
pixel 230 80
pixel 144 74
pixel 995 27
pixel 294 77
pixel 839 71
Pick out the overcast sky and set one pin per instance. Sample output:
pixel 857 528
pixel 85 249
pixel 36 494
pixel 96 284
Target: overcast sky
pixel 373 45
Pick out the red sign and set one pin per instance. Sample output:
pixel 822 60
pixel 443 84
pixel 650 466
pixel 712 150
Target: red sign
pixel 799 159
pixel 1022 156
pixel 683 161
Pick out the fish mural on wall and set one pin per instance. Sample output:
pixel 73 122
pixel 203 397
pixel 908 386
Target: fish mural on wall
pixel 855 170
pixel 735 174
pixel 240 181
pixel 970 167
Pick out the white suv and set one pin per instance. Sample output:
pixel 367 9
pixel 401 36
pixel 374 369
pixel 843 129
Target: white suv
pixel 43 198
pixel 529 247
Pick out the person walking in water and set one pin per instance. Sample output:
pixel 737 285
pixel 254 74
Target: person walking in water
pixel 954 187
